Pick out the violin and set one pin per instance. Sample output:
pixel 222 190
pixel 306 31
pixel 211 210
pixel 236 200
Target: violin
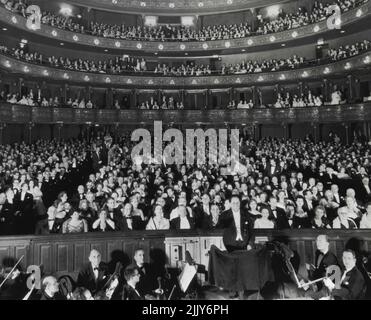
pixel 333 273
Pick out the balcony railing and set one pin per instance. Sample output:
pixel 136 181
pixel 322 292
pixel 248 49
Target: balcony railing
pixel 362 12
pixel 44 115
pixel 359 62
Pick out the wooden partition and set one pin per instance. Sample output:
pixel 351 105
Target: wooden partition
pixel 65 254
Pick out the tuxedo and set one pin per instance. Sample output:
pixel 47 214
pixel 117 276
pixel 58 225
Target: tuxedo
pixel 321 262
pixel 227 221
pixel 273 171
pixel 147 282
pixel 364 193
pixel 24 221
pixel 87 279
pixel 353 286
pixel 175 223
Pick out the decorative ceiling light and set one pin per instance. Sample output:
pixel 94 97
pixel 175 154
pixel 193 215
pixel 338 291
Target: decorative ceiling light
pixel 205 45
pixel 139 46
pixel 260 79
pixel 75 38
pixel 250 42
pixel 182 47
pixel 65 75
pixel 54 33
pixel 227 44
pixel 316 28
pixel 171 5
pixel 327 70
pixel 14 19
pixel 161 47
pixel 117 44
pixel 272 38
pixel 347 66
pixel 359 13
pixel 294 34
pixel 96 42
pixel 305 74
pixel 108 80
pixel 200 4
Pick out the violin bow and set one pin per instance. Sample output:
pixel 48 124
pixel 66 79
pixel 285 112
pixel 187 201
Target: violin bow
pixel 11 271
pixel 29 292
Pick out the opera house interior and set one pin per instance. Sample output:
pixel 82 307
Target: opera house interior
pixel 283 84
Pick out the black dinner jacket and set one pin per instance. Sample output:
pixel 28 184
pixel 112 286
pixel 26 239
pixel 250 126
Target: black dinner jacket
pixel 281 219
pixel 128 293
pixel 175 223
pixel 328 259
pixel 86 277
pixel 352 287
pixel 226 221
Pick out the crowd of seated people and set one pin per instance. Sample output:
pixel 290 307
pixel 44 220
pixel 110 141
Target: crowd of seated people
pixel 298 101
pixel 167 103
pixel 76 186
pixel 259 25
pixel 126 64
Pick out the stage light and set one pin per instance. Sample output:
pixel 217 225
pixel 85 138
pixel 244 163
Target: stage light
pixel 342 31
pixel 294 34
pixel 54 33
pixel 227 44
pixel 243 50
pixel 205 46
pixel 75 38
pixel 150 81
pixel 283 45
pixel 172 82
pixel 160 47
pixel 139 46
pixel 96 42
pixel 272 38
pixel 182 47
pixel 316 28
pixel 117 44
pixel 273 11
pixel 114 1
pixel 250 42
pixel 216 81
pixel 105 50
pixel 238 80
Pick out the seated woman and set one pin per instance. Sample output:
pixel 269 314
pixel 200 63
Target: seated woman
pixel 343 221
pixel 301 219
pixel 320 221
pixel 103 223
pixel 264 222
pixel 56 216
pixel 158 222
pixel 253 211
pixel 75 224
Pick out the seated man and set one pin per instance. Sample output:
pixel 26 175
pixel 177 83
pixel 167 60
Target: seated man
pixel 93 275
pixel 50 288
pixel 352 284
pixel 132 277
pixel 323 259
pixel 183 222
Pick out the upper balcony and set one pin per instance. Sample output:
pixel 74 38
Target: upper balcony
pixel 174 7
pixel 359 63
pixel 310 32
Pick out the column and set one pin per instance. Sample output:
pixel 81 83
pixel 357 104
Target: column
pixel 254 96
pixel 2 127
pixel 300 88
pixel 30 125
pixel 207 99
pixel 314 130
pixel 134 102
pixel 284 127
pixel 325 85
pixel 109 98
pixel 350 81
pixel 346 127
pixel 59 127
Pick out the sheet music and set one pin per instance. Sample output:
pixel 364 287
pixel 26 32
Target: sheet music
pixel 186 276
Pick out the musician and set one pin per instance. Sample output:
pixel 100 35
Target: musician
pixel 93 275
pixel 147 279
pixel 132 277
pixel 352 286
pixel 237 227
pixel 323 258
pixel 50 288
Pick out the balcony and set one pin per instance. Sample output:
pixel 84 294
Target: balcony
pixel 327 114
pixel 356 63
pixel 227 46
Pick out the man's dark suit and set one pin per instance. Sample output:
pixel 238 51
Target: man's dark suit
pixel 147 282
pixel 87 279
pixel 352 287
pixel 322 262
pixel 128 293
pixel 175 223
pixel 226 221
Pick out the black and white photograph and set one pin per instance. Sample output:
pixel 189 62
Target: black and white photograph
pixel 190 155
